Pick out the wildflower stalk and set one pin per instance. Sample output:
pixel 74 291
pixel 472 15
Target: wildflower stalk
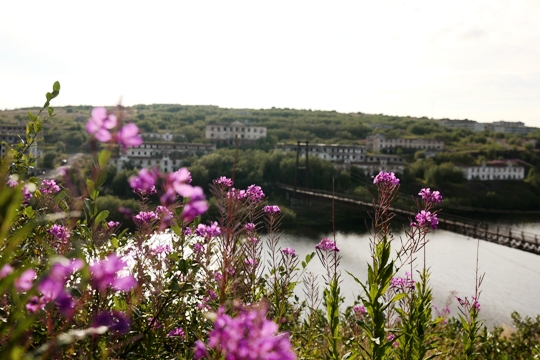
pixel 380 271
pixel 469 318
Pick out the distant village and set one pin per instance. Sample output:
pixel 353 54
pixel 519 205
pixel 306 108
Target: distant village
pixel 378 153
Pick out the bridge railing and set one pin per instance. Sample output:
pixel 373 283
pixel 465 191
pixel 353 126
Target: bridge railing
pixel 467 226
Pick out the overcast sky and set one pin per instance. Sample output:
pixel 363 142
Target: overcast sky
pixel 445 59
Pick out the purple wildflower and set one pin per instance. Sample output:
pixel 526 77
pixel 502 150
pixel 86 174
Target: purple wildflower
pixel 236 194
pixel 217 276
pixel 100 123
pixel 224 181
pixel 252 263
pixel 196 205
pixel 178 332
pixel 475 304
pixel 200 350
pixel 114 320
pixel 12 183
pixel 25 281
pixel 208 231
pixel 254 193
pixel 187 231
pixel 248 336
pixel 198 248
pixel 104 275
pixel 250 227
pixel 26 195
pixel 386 179
pixel 61 233
pixel 426 218
pixel 359 310
pixel 112 224
pixel 49 187
pixel 405 283
pixel 5 271
pixel 289 252
pixel 391 337
pixel 430 197
pixel 145 218
pixel 271 209
pixel 327 245
pixel 145 181
pixel 35 304
pixel 128 136
pixel 212 295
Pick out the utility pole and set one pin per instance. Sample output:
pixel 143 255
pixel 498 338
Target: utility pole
pixel 306 167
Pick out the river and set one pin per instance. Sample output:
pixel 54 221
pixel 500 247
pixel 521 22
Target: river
pixel 511 276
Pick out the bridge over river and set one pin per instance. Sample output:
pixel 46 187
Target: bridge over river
pixel 506 236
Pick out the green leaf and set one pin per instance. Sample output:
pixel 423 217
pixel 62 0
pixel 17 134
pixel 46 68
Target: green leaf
pixel 56 86
pixel 29 212
pixel 31 116
pixel 102 216
pixel 91 187
pixel 101 177
pixel 103 158
pixel 48 96
pixel 38 126
pixel 50 110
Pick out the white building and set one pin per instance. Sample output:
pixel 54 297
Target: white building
pixel 463 124
pixel 345 156
pixel 167 156
pixel 510 127
pixel 12 134
pixel 332 152
pixel 379 142
pixel 228 133
pixel 167 136
pixel 499 170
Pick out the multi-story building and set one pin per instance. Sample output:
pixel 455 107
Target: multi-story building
pixel 13 134
pixel 332 152
pixel 495 170
pixel 510 127
pixel 167 156
pixel 463 124
pixel 345 156
pixel 167 136
pixel 379 142
pixel 228 133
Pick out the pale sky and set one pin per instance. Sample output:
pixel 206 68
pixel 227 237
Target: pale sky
pixel 447 59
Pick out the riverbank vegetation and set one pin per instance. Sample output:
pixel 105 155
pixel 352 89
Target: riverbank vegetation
pixel 74 285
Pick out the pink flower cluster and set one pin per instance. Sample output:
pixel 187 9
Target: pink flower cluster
pixel 386 179
pixel 402 284
pixel 208 231
pixel 175 184
pixel 145 218
pixel 272 209
pixel 224 181
pixel 249 336
pixel 430 197
pixel 49 187
pixel 60 233
pixel 289 252
pixel 100 124
pixel 253 193
pixel 327 245
pixel 104 275
pixel 359 310
pixel 426 218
